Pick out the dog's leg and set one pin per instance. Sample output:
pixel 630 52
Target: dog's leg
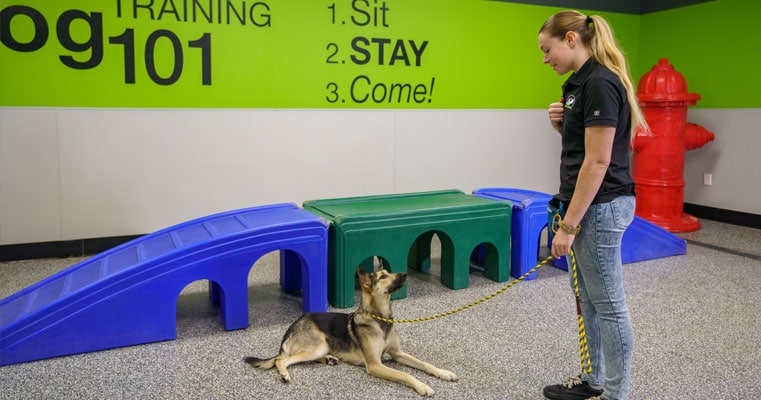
pixel 396 353
pixel 282 363
pixel 328 359
pixel 384 372
pixel 410 361
pixel 375 367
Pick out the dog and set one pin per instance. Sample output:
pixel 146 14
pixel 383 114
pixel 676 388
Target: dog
pixel 355 338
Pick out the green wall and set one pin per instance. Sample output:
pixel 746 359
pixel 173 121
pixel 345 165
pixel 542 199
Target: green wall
pixel 714 45
pixel 327 53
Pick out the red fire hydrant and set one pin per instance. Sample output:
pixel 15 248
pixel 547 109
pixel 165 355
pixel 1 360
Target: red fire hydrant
pixel 658 160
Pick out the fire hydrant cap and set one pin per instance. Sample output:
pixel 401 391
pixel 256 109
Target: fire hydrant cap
pixel 664 83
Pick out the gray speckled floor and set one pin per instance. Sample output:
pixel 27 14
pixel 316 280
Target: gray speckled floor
pixel 696 320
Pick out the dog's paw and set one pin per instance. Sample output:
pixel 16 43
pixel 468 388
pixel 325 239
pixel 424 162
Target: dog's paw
pixel 331 360
pixel 447 375
pixel 285 378
pixel 424 390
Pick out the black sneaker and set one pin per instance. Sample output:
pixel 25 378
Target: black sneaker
pixel 572 388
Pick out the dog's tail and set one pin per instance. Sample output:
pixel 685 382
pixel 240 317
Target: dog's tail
pixel 260 363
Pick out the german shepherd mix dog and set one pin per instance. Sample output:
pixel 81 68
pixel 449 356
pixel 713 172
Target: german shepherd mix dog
pixel 355 338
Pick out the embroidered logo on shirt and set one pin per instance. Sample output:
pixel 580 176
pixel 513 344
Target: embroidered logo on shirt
pixel 596 113
pixel 569 102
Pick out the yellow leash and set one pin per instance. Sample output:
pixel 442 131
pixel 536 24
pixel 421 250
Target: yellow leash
pixel 479 301
pixel 586 365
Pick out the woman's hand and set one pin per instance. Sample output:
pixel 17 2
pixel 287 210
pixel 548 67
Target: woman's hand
pixel 561 243
pixel 556 115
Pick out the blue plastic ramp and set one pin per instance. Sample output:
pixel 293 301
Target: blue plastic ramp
pixel 644 240
pixel 128 295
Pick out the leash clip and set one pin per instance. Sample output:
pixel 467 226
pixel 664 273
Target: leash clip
pixel 556 222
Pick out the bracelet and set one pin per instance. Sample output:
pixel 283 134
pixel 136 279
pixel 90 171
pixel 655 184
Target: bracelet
pixel 568 228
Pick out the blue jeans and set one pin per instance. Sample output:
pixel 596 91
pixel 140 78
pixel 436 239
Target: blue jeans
pixel 603 302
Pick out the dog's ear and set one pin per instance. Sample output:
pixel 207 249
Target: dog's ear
pixel 364 277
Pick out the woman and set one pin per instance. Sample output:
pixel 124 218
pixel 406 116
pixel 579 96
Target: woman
pixel 595 118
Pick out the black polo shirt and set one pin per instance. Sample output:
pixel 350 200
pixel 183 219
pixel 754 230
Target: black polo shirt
pixel 594 96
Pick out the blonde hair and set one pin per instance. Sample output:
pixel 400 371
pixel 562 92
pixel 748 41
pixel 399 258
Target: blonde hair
pixel 597 36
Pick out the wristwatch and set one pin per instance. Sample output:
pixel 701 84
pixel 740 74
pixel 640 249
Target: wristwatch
pixel 573 230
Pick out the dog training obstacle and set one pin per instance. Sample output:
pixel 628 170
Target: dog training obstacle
pixel 128 295
pixel 399 228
